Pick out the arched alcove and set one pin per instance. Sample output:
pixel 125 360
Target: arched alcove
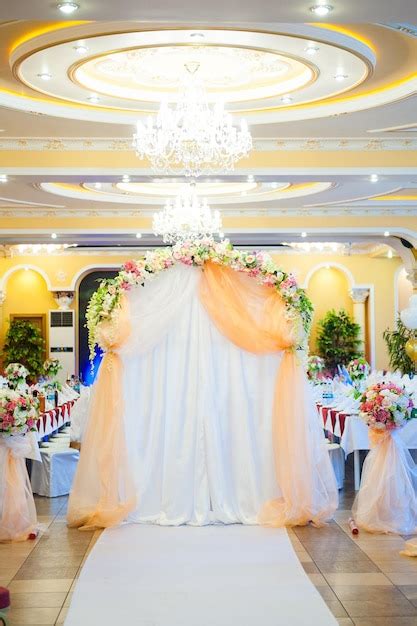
pixel 328 287
pixel 27 297
pixel 86 287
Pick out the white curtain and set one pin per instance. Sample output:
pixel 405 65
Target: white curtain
pixel 197 411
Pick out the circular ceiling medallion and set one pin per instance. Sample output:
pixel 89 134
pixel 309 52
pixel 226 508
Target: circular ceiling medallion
pixel 229 73
pixel 156 193
pixel 255 73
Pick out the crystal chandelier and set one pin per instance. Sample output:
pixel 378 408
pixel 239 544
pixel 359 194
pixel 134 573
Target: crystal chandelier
pixel 187 217
pixel 192 136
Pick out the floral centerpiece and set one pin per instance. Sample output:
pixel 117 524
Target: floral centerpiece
pixel 315 367
pixel 358 369
pixel 386 406
pixel 106 300
pixel 18 413
pixel 51 367
pixel 16 374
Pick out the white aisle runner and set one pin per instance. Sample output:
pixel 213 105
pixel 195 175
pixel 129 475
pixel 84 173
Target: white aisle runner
pixel 143 575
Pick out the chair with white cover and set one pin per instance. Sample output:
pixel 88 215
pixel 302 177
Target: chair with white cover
pixel 337 458
pixel 53 476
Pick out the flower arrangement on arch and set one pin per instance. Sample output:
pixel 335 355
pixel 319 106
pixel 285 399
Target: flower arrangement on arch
pixel 358 369
pixel 16 374
pixel 315 367
pixel 259 265
pixel 18 413
pixel 386 406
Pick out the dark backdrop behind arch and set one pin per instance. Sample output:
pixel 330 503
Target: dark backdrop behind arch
pixel 86 288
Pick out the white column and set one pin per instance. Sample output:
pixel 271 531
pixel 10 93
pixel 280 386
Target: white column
pixel 359 296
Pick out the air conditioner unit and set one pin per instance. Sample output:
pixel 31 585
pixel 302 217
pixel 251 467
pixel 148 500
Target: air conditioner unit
pixel 62 341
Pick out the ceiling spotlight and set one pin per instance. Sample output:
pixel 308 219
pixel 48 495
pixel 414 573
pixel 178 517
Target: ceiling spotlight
pixel 45 76
pixel 138 235
pixel 81 48
pixel 94 99
pixel 97 185
pixel 386 234
pixel 340 77
pixel 390 255
pixel 68 7
pixel 311 49
pixel 286 99
pixel 374 178
pixel 303 234
pixel 54 236
pixel 251 178
pixel 125 178
pixel 3 178
pixel 321 9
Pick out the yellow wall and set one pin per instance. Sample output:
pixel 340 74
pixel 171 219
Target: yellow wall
pixel 26 291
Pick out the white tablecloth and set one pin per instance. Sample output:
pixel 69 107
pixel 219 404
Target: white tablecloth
pixel 355 435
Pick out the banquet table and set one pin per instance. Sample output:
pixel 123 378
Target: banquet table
pixel 52 419
pixel 353 434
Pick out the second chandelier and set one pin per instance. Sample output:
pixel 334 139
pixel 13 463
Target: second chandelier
pixel 192 136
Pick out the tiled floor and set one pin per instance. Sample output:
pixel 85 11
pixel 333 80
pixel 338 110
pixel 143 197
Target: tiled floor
pixel 363 579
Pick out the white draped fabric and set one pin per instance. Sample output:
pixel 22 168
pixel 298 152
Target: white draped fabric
pixel 198 411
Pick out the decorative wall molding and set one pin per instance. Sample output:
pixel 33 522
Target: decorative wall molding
pixel 290 144
pixel 359 295
pixel 378 211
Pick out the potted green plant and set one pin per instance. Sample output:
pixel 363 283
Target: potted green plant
pixel 338 339
pixel 24 344
pixel 396 340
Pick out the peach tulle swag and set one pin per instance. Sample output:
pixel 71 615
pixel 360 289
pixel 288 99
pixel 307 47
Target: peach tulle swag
pixel 18 414
pixel 387 498
pixel 106 300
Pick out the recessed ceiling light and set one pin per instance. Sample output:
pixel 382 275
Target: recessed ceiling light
pixel 68 7
pixel 45 76
pixel 286 99
pixel 340 77
pixel 97 185
pixel 251 178
pixel 94 99
pixel 138 235
pixel 81 48
pixel 374 178
pixel 54 236
pixel 311 49
pixel 303 234
pixel 197 35
pixel 386 234
pixel 3 178
pixel 221 235
pixel 389 253
pixel 321 9
pixel 274 185
pixel 125 178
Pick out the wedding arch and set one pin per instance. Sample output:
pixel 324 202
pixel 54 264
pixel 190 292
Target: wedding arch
pixel 201 410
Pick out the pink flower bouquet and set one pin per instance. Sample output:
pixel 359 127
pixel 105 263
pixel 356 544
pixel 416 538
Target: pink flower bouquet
pixel 385 407
pixel 18 413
